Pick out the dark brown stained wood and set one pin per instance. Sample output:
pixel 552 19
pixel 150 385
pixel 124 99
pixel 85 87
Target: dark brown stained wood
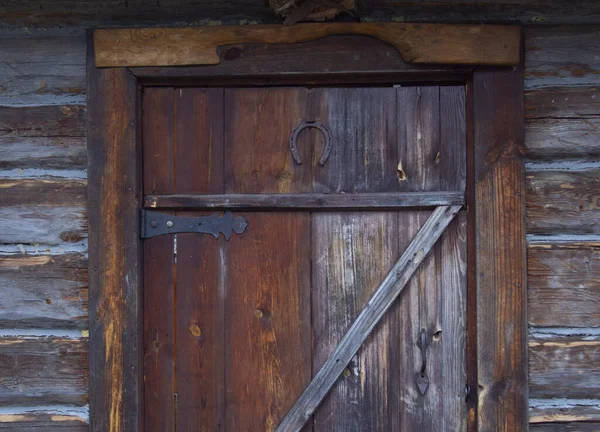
pixel 43 152
pixel 200 330
pixel 497 112
pixel 42 66
pixel 546 411
pixel 259 123
pixel 43 225
pixel 563 284
pixel 42 121
pixel 362 126
pixel 32 192
pixel 563 102
pixel 562 55
pixel 43 13
pixel 565 427
pixel 306 201
pixel 44 291
pixel 199 132
pixel 159 140
pixel 160 385
pixel 36 421
pixel 566 366
pixel 267 319
pixel 352 254
pixel 563 201
pixel 341 58
pixel 114 250
pixel 563 138
pixel 43 371
pixel 418 43
pixel 418 120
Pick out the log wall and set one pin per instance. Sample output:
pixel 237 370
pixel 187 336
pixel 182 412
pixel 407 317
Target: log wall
pixel 43 261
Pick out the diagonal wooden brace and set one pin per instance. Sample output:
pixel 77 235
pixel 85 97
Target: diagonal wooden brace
pixel 383 298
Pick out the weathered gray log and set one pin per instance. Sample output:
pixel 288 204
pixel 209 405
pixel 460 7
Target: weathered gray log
pixel 44 291
pixel 563 102
pixel 43 370
pixel 563 201
pixel 564 367
pixel 307 201
pixel 383 298
pixel 565 427
pixel 563 284
pixel 55 152
pixel 563 410
pixel 558 138
pixel 38 421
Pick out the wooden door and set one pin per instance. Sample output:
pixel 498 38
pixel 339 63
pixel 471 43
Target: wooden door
pixel 235 329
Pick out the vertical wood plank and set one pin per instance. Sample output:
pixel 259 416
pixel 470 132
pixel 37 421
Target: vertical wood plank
pixel 200 333
pixel 501 261
pixel 352 254
pixel 159 140
pixel 259 123
pixel 362 125
pixel 159 334
pixel 453 138
pixel 199 131
pixel 114 192
pixel 267 319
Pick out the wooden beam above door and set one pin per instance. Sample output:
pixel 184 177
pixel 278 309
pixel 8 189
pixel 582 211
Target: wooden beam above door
pixel 417 43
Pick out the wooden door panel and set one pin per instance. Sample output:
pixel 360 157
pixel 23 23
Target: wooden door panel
pixel 244 324
pixel 267 313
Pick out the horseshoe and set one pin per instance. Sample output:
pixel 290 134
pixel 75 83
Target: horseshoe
pixel 310 124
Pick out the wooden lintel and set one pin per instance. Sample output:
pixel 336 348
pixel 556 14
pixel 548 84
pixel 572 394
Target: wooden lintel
pixel 417 43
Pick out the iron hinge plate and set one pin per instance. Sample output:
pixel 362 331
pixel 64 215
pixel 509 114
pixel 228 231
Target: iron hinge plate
pixel 153 223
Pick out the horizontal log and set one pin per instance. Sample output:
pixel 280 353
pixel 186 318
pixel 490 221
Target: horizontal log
pixel 562 56
pixel 43 224
pixel 43 152
pixel 563 102
pixel 44 291
pixel 56 193
pixel 565 427
pixel 564 367
pixel 43 370
pixel 43 421
pixel 48 13
pixel 42 67
pixel 43 121
pixel 563 201
pixel 563 289
pixel 547 411
pixel 562 138
pixel 306 201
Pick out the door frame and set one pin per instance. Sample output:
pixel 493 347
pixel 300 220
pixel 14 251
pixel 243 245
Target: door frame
pixel 497 393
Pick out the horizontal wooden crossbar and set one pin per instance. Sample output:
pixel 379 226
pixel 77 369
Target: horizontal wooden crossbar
pixel 309 201
pixel 417 43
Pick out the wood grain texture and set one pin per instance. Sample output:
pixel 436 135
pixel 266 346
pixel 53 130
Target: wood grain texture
pixel 54 152
pixel 44 291
pixel 497 112
pixel 565 427
pixel 40 421
pixel 563 284
pixel 562 56
pixel 43 371
pixel 418 43
pixel 114 250
pixel 566 366
pixel 545 412
pixel 49 192
pixel 352 254
pixel 42 66
pixel 563 102
pixel 267 330
pixel 563 138
pixel 259 124
pixel 42 121
pixel 309 201
pixel 160 384
pixel 563 201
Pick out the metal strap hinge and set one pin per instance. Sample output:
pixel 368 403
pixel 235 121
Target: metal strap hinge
pixel 153 223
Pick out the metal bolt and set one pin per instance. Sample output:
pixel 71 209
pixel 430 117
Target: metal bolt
pixel 169 224
pixel 153 224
